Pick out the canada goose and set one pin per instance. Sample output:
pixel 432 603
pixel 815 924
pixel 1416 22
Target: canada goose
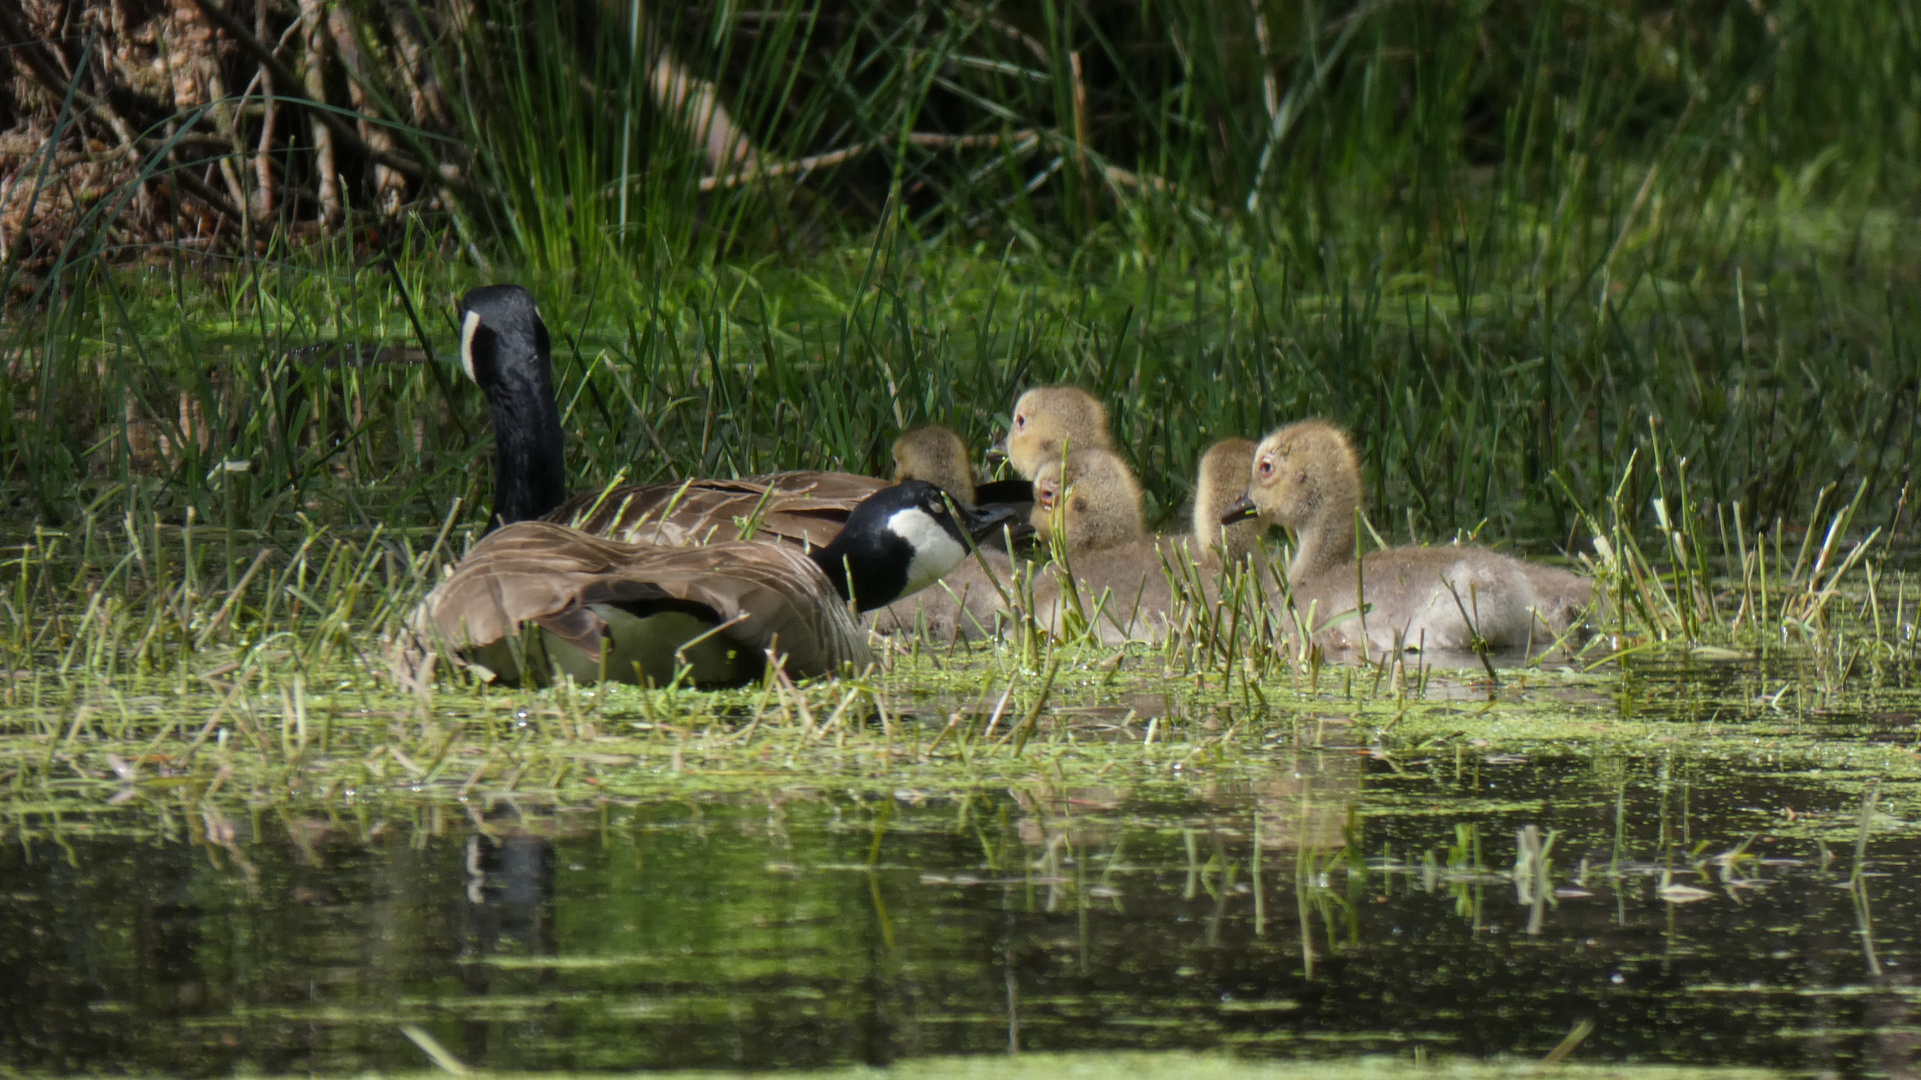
pixel 505 349
pixel 968 600
pixel 1050 419
pixel 938 455
pixel 1307 479
pixel 639 610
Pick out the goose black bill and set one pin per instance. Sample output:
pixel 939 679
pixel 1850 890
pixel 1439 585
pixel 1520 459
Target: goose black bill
pixel 982 522
pixel 1004 492
pixel 1242 509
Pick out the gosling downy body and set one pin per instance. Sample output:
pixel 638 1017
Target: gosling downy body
pixel 636 612
pixel 1088 507
pixel 1306 478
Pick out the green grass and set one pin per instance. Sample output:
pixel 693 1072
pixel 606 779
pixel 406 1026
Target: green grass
pixel 1511 245
pixel 1509 405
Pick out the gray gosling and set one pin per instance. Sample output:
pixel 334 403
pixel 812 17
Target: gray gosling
pixel 1307 479
pixel 1092 502
pixel 1219 482
pixel 938 455
pixel 1087 507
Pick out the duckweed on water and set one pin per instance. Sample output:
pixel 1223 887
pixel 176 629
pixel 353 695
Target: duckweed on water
pixel 1081 849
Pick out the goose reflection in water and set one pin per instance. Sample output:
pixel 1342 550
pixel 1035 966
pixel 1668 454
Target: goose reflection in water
pixel 506 909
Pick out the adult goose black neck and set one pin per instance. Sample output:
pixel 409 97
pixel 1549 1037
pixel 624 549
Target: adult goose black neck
pixel 505 349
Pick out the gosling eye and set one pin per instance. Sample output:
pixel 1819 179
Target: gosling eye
pixel 1020 420
pixel 1266 467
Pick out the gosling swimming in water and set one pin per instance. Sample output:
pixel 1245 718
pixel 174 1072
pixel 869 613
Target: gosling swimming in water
pixel 1306 478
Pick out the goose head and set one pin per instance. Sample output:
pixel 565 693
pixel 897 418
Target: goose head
pixel 1090 500
pixel 1224 472
pixel 1052 420
pixel 937 455
pixel 1305 478
pixel 898 541
pixel 504 349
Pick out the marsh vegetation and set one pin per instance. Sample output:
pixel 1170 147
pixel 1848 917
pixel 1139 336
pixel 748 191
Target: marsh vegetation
pixel 1626 288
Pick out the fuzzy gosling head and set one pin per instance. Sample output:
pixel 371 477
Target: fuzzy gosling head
pixel 937 455
pixel 1051 419
pixel 1090 500
pixel 1302 473
pixel 1223 475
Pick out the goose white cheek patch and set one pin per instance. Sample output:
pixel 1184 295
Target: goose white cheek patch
pixel 468 327
pixel 936 551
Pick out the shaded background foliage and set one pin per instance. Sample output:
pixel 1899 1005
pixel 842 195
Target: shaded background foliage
pixel 1510 243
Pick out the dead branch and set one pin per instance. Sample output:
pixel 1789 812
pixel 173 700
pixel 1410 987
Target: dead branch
pixel 1021 140
pixel 29 48
pixel 262 163
pixel 697 104
pixel 389 189
pixel 342 132
pixel 311 14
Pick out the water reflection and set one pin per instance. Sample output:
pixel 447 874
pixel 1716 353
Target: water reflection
pixel 506 910
pixel 1332 900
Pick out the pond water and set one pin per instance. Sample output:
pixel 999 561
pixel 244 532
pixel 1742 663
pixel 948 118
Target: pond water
pixel 1463 896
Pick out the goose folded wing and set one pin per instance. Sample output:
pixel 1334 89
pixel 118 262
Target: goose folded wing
pixel 524 572
pixel 708 510
pixel 760 595
pixel 763 595
pixel 819 484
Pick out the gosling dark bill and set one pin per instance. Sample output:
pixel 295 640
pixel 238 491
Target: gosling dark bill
pixel 1242 509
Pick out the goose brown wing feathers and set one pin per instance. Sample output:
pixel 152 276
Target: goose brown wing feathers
pixel 821 484
pixel 804 508
pixel 562 580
